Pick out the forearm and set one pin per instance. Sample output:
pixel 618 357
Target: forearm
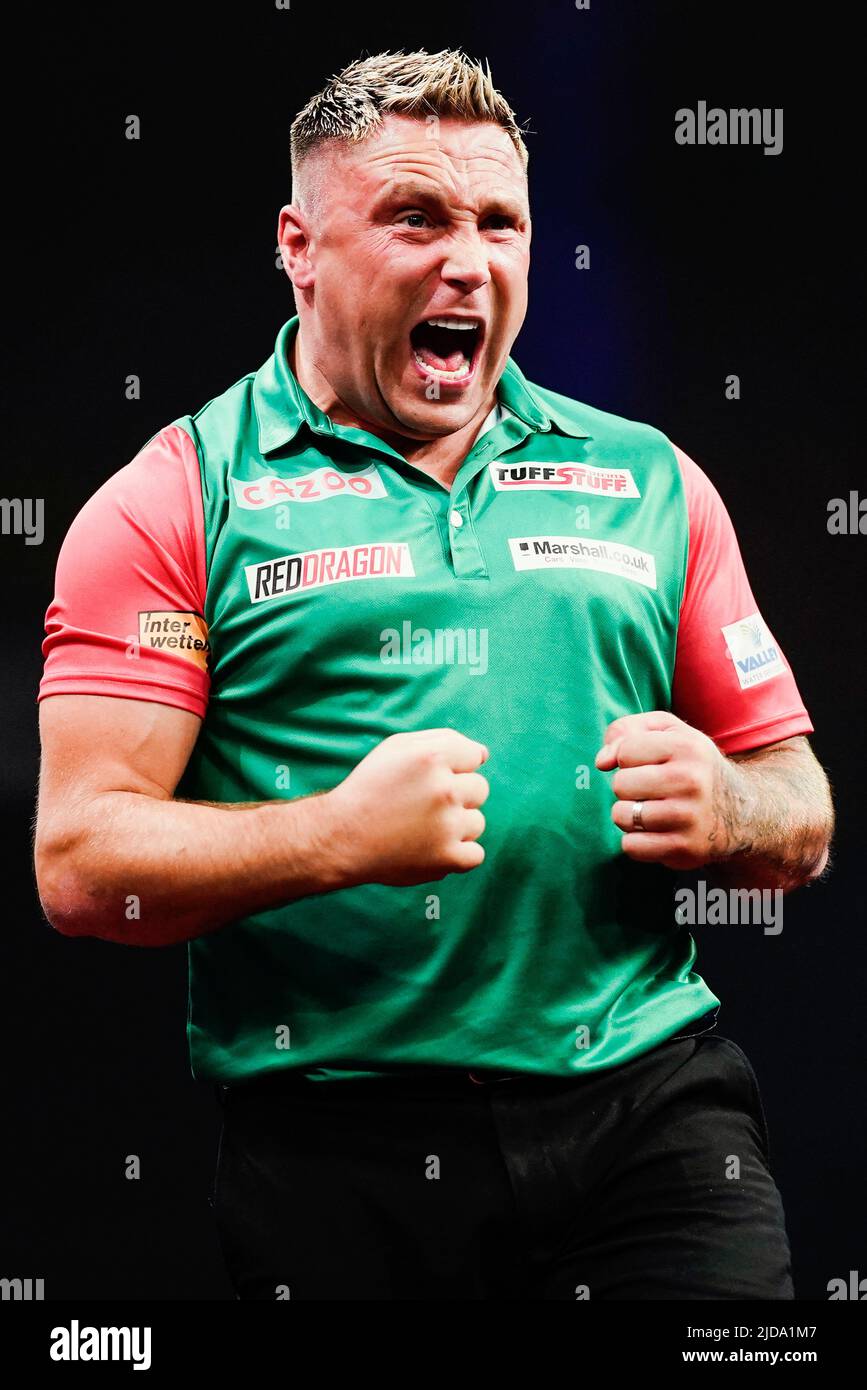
pixel 773 818
pixel 151 872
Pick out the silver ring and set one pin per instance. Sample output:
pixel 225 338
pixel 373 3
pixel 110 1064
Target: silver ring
pixel 637 808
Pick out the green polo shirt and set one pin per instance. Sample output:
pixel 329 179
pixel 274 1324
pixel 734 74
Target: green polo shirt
pixel 349 597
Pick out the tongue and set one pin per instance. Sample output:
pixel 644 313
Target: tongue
pixel 452 362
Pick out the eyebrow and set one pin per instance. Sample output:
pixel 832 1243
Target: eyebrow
pixel 408 192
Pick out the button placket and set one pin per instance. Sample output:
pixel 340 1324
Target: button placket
pixel 468 561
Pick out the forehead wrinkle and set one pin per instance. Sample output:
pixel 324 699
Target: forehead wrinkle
pixel 456 176
pixel 433 151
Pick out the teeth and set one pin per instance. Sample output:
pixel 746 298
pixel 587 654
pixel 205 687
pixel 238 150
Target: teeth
pixel 436 371
pixel 453 323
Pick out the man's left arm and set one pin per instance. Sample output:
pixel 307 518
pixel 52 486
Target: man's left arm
pixel 727 776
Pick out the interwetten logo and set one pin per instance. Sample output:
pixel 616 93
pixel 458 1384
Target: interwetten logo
pixel 184 634
pixel 313 569
pixel 317 486
pixel 561 552
pixel 569 477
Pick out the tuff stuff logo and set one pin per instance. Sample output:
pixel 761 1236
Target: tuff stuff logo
pixel 313 569
pixel 567 477
pixel 561 552
pixel 256 493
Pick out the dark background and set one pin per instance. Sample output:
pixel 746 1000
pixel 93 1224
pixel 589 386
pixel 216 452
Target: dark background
pixel 157 258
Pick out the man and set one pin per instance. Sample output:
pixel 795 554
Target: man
pixel 461 1054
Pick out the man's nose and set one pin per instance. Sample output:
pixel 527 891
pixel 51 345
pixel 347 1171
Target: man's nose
pixel 466 264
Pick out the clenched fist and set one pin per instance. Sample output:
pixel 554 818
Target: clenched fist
pixel 692 802
pixel 409 812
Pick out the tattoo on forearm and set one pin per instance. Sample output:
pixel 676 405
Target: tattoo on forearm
pixel 729 832
pixel 775 814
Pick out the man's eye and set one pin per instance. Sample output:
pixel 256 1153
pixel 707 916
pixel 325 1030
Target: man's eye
pixel 406 215
pixel 501 219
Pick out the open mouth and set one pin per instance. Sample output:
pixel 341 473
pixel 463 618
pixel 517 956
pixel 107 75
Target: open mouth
pixel 447 347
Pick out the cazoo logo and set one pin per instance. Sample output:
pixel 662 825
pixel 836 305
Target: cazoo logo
pixel 268 491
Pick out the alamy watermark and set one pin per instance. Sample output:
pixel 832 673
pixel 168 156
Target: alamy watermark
pixel 22 1290
pixel 23 516
pixel 77 1343
pixel 738 126
pixel 440 646
pixel 847 516
pixel 703 906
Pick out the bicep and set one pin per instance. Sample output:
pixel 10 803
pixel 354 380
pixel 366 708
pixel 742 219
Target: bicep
pixel 99 743
pixel 94 746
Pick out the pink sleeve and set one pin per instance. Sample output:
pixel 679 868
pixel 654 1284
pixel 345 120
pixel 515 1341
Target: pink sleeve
pixel 127 617
pixel 731 679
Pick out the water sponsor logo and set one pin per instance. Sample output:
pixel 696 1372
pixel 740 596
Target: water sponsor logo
pixel 753 651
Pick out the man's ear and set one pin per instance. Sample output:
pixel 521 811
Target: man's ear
pixel 293 239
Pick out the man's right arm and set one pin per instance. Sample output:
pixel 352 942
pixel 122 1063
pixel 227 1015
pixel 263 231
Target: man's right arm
pixel 116 856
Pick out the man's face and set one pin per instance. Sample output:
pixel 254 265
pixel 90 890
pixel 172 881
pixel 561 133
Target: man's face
pixel 425 220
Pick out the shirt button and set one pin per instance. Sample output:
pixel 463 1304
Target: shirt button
pixel 456 519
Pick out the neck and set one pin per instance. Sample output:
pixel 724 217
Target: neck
pixel 440 457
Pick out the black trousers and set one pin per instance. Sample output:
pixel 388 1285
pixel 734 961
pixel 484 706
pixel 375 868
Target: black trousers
pixel 649 1180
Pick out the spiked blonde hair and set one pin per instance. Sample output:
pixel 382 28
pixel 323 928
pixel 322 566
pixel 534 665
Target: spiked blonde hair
pixel 352 103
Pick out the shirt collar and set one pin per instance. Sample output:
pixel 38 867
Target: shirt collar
pixel 282 407
pixel 494 416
